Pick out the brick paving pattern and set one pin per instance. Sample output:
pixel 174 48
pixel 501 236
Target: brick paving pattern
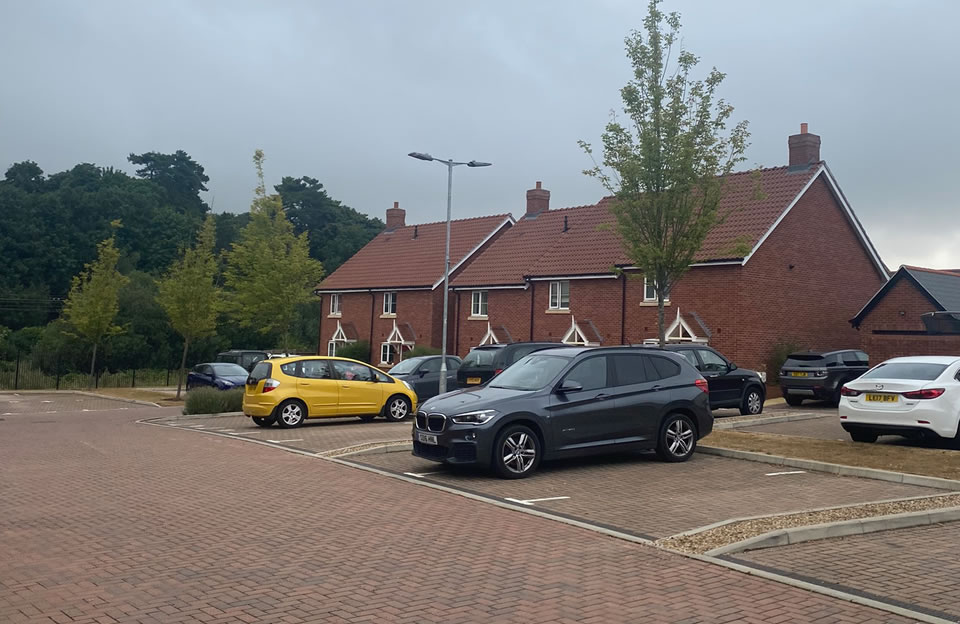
pixel 319 434
pixel 918 566
pixel 38 404
pixel 640 494
pixel 105 521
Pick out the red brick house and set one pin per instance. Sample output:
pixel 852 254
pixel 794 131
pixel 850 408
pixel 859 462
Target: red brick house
pixel 903 318
pixel 390 293
pixel 791 262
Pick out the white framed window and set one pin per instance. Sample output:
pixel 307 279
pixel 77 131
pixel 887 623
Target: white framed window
pixel 650 291
pixel 389 303
pixel 386 353
pixel 332 348
pixel 335 304
pixel 560 295
pixel 478 306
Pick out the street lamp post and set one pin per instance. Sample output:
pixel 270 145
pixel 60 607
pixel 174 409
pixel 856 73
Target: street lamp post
pixel 450 163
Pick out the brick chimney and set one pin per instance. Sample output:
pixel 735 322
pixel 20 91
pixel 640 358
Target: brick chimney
pixel 538 200
pixel 804 147
pixel 396 217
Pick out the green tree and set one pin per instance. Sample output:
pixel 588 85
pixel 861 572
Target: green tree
pixel 269 271
pixel 180 176
pixel 335 231
pixel 91 307
pixel 189 293
pixel 669 158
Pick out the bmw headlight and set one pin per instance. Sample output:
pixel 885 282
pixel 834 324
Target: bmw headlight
pixel 474 418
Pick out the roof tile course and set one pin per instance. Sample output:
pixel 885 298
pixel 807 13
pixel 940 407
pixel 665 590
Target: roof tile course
pixel 539 246
pixel 395 259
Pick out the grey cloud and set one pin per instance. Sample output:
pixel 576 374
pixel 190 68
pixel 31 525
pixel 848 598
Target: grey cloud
pixel 342 91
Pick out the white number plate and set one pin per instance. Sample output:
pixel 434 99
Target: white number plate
pixel 426 438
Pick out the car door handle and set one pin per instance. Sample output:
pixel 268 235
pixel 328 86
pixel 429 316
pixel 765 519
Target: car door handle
pixel 656 387
pixel 304 383
pixel 601 397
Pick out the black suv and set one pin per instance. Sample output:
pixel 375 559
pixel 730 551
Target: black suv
pixel 566 402
pixel 482 363
pixel 730 386
pixel 814 375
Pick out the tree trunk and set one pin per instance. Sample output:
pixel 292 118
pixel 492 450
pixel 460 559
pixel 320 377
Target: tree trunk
pixel 183 365
pixel 93 365
pixel 660 331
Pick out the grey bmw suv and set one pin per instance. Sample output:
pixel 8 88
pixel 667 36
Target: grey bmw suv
pixel 567 402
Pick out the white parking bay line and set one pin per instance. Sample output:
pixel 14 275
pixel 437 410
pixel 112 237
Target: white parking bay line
pixel 789 472
pixel 282 441
pixel 531 501
pixel 420 475
pixel 232 432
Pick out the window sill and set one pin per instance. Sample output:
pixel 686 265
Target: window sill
pixel 483 317
pixel 388 316
pixel 558 311
pixel 337 315
pixel 653 304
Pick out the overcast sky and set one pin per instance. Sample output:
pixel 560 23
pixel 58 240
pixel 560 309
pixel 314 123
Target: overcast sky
pixel 342 91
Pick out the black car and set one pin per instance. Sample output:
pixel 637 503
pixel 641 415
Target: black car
pixel 246 358
pixel 815 375
pixel 217 375
pixel 482 363
pixel 730 386
pixel 567 402
pixel 423 373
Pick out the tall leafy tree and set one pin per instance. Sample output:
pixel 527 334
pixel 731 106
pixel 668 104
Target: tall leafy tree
pixel 667 161
pixel 335 231
pixel 269 271
pixel 178 174
pixel 91 307
pixel 189 293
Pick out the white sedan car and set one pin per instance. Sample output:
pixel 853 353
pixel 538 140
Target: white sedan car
pixel 908 396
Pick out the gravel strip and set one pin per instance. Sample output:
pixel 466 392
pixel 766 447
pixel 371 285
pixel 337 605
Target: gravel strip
pixel 347 450
pixel 699 543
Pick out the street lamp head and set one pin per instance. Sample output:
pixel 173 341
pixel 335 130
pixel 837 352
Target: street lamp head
pixel 476 163
pixel 420 156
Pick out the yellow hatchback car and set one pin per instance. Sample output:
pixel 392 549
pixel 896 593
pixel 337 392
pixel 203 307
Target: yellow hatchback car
pixel 289 390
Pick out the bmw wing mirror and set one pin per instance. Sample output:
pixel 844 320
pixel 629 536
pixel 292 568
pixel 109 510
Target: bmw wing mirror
pixel 570 386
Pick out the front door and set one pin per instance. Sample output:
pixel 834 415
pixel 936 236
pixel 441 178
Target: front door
pixel 724 388
pixel 426 383
pixel 586 417
pixel 360 393
pixel 318 388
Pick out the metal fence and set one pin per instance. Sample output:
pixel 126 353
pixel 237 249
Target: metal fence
pixel 29 372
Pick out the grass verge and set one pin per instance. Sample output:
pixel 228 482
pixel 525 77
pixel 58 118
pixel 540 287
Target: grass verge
pixel 213 401
pixel 944 463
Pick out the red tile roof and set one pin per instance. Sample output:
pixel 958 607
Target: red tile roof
pixel 395 259
pixel 539 246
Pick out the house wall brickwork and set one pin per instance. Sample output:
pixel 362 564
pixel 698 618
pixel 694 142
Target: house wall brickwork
pixel 507 307
pixel 806 281
pixel 899 310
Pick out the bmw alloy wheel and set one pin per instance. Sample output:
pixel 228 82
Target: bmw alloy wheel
pixel 680 438
pixel 519 452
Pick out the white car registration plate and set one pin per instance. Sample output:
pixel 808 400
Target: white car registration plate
pixel 426 438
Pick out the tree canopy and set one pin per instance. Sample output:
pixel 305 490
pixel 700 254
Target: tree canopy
pixel 668 160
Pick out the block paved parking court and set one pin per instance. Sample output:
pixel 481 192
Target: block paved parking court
pixel 103 520
pixel 317 435
pixel 638 494
pixel 878 565
pixel 34 403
